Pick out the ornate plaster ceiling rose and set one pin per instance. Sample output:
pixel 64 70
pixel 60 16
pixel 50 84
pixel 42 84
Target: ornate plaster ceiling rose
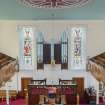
pixel 54 3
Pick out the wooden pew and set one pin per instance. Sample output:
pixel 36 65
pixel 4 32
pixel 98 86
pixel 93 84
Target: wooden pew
pixel 12 94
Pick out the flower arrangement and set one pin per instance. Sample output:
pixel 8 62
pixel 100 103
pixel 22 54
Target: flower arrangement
pixel 52 62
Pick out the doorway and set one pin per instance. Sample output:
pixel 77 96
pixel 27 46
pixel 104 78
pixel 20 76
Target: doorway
pixel 80 85
pixel 24 85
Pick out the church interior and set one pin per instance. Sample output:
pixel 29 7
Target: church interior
pixel 52 52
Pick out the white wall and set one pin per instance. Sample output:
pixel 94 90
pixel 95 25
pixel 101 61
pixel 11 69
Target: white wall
pixel 9 44
pixel 9 41
pixel 53 75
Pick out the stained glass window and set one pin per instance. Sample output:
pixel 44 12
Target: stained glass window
pixel 26 46
pixel 78 35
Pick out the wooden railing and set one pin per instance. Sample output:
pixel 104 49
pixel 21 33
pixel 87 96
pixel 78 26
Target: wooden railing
pixel 7 68
pixel 66 82
pixel 39 82
pixel 97 67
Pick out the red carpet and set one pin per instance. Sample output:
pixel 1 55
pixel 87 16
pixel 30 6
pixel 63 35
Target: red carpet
pixel 15 102
pixel 23 102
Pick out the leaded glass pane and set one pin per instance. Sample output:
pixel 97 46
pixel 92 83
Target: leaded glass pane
pixel 40 42
pixel 64 44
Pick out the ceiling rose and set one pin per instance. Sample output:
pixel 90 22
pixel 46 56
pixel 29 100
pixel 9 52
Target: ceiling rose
pixel 53 3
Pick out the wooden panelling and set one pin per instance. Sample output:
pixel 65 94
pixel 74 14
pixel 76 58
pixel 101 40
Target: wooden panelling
pixel 80 85
pixel 12 94
pixel 25 81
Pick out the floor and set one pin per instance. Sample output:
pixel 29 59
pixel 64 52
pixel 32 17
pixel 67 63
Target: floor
pixel 24 102
pixel 15 102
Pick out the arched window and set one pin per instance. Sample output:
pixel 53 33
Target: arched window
pixel 26 45
pixel 78 50
pixel 40 42
pixel 64 50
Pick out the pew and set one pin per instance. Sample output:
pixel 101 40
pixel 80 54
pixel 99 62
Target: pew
pixel 12 94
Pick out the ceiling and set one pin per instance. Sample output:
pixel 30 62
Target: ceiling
pixel 14 10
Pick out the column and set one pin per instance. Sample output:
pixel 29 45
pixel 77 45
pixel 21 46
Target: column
pixel 97 94
pixel 7 94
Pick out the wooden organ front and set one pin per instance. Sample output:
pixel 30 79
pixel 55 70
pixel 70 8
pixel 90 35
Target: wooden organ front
pixel 35 91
